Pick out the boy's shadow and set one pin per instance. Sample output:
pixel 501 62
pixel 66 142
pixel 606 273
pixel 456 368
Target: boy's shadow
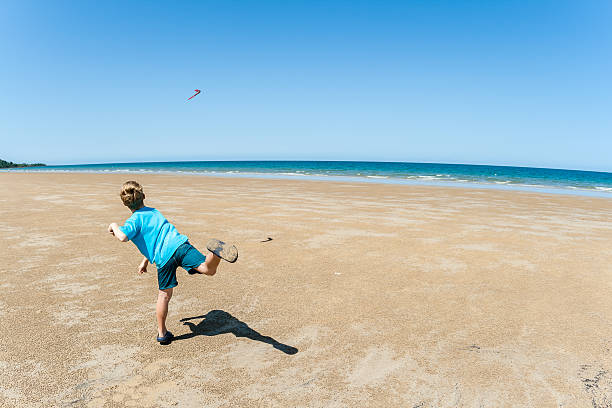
pixel 219 322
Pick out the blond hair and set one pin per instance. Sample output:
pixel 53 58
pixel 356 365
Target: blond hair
pixel 132 195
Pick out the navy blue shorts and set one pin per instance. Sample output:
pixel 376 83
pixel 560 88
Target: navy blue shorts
pixel 185 256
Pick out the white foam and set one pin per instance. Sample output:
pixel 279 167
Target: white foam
pixel 438 179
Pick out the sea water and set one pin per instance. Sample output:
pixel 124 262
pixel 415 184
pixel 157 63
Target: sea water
pixel 480 176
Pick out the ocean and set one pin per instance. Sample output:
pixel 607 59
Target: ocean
pixel 558 181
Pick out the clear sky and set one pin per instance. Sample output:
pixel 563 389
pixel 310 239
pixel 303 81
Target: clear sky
pixel 487 82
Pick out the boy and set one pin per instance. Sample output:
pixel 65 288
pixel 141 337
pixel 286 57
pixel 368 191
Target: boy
pixel 160 243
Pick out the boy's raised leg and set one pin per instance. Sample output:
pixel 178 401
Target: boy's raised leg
pixel 209 266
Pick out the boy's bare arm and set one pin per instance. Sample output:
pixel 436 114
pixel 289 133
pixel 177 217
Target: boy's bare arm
pixel 113 229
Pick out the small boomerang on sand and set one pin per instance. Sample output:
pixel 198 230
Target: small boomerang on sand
pixel 197 91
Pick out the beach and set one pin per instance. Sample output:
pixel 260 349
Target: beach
pixel 366 295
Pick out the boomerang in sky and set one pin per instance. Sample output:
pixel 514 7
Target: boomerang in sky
pixel 197 91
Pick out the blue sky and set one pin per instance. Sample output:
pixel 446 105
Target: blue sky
pixel 486 82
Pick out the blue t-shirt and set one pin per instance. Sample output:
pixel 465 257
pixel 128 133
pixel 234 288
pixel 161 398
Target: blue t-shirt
pixel 154 236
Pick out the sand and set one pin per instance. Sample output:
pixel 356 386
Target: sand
pixel 367 295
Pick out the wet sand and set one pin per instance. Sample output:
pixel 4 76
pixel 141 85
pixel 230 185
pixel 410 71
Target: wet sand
pixel 367 295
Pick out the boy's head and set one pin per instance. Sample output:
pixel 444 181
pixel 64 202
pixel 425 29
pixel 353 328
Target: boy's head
pixel 132 195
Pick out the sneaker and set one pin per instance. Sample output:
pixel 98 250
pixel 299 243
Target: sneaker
pixel 223 250
pixel 166 339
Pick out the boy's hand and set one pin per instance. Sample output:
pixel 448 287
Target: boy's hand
pixel 113 229
pixel 142 268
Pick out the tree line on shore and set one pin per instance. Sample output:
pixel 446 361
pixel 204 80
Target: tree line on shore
pixel 6 164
